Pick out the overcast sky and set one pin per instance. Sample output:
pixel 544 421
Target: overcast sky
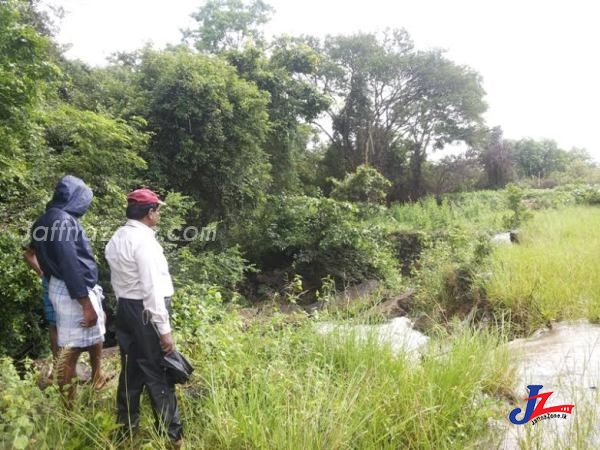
pixel 538 59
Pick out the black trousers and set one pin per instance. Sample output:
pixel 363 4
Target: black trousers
pixel 140 367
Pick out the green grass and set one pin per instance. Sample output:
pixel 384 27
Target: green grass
pixel 288 387
pixel 554 274
pixel 481 211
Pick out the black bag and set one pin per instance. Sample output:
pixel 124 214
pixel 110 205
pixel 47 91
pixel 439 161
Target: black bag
pixel 177 367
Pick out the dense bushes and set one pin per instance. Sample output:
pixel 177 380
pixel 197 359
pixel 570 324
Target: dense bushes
pixel 21 314
pixel 589 195
pixel 316 237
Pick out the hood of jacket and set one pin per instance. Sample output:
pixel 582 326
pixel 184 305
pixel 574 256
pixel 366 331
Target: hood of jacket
pixel 71 195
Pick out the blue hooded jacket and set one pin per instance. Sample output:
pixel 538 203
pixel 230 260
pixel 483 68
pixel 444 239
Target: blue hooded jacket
pixel 61 245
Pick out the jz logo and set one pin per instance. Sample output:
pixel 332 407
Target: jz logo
pixel 539 412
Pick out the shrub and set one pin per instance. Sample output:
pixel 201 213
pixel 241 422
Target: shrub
pixel 21 314
pixel 317 237
pixel 519 213
pixel 365 185
pixel 223 269
pixel 587 195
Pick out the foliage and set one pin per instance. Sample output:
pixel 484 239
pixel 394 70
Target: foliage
pixel 294 101
pixel 228 24
pixel 457 173
pixel 110 90
pixel 316 237
pixel 519 212
pixel 451 277
pixel 21 314
pixel 554 273
pixel 30 417
pixel 230 29
pixel 195 307
pixel 223 270
pixel 42 137
pixel 587 195
pixel 19 408
pixel 363 77
pixel 207 129
pixel 497 159
pixel 396 101
pixel 537 159
pixel 26 75
pixel 474 211
pixel 24 63
pixel 366 184
pixel 90 145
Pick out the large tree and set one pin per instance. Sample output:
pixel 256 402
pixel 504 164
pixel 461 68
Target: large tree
pixel 282 68
pixel 228 24
pixel 361 76
pixel 284 73
pixel 536 159
pixel 394 101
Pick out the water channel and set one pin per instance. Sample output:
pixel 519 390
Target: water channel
pixel 564 359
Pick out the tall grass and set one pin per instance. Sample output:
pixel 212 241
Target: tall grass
pixel 277 386
pixel 481 211
pixel 554 274
pixel 295 389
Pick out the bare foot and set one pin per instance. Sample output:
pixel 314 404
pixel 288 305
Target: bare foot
pixel 102 380
pixel 46 378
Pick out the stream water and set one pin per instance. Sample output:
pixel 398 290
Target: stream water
pixel 564 359
pixel 398 333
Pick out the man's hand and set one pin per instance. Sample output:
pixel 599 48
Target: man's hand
pixel 89 313
pixel 167 345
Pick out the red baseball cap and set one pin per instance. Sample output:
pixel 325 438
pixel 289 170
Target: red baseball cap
pixel 144 196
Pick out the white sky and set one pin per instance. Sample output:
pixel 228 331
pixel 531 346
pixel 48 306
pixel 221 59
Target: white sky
pixel 538 59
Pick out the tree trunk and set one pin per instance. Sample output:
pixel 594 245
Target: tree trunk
pixel 417 188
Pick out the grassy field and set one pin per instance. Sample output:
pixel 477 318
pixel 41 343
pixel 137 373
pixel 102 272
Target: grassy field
pixel 554 274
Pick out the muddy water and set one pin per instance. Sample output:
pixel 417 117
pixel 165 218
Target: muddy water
pixel 564 359
pixel 398 333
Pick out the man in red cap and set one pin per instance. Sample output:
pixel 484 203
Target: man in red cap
pixel 141 281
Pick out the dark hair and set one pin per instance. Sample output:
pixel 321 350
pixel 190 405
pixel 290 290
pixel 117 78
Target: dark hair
pixel 136 211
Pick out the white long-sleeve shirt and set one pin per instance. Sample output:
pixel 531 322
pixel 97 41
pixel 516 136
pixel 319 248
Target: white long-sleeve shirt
pixel 139 270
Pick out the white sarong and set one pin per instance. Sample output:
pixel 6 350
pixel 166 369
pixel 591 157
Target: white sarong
pixel 69 314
